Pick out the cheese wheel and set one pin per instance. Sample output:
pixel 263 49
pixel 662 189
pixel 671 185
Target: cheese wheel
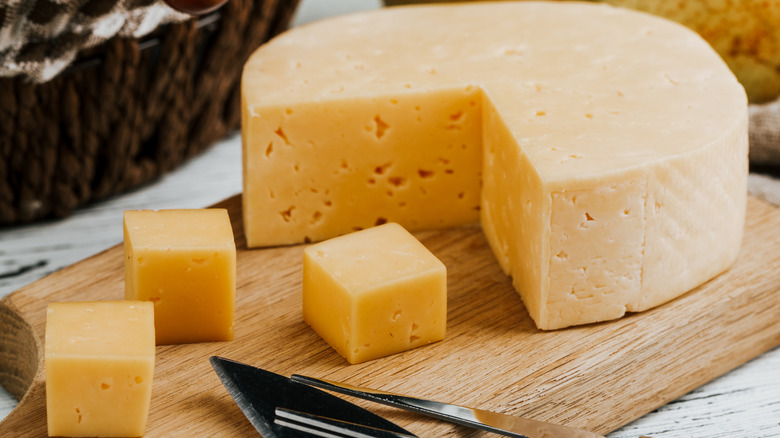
pixel 743 32
pixel 603 151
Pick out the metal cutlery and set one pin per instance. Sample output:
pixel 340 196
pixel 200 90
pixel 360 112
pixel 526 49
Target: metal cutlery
pixel 496 422
pixel 258 393
pixel 329 427
pixel 281 407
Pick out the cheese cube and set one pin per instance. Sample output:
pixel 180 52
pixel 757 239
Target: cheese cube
pixel 99 360
pixel 184 261
pixel 374 292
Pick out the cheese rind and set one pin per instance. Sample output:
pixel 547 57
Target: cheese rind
pixel 184 261
pixel 589 116
pixel 99 360
pixel 375 292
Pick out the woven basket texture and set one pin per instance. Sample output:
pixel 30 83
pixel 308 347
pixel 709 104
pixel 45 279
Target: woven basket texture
pixel 127 111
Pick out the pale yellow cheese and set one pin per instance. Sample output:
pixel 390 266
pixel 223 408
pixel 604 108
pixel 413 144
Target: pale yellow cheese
pixel 184 261
pixel 390 164
pixel 99 359
pixel 608 148
pixel 745 33
pixel 375 292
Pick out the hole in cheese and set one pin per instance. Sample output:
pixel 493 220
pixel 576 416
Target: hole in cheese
pixel 396 181
pixel 379 170
pixel 381 127
pixel 280 132
pixel 287 214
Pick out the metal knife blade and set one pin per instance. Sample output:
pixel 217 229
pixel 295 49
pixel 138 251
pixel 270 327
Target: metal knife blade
pixel 495 422
pixel 259 392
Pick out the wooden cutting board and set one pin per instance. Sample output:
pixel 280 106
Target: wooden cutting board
pixel 597 377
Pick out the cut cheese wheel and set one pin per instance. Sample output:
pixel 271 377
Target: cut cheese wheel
pixel 603 151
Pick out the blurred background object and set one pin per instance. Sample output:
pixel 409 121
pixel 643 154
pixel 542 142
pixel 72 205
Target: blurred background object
pixel 195 7
pixel 158 88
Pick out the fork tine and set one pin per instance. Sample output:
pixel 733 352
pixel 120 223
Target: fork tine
pixel 330 427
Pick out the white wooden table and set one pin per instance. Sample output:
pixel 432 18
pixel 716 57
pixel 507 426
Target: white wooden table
pixel 743 403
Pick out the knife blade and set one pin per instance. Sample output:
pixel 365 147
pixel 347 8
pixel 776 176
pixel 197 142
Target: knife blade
pixel 508 425
pixel 258 393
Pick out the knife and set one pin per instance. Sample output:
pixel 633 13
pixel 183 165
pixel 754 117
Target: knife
pixel 259 393
pixel 508 425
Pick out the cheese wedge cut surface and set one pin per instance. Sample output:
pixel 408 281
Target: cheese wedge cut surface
pixel 603 151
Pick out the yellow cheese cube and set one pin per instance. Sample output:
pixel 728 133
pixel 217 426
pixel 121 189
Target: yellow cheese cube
pixel 99 359
pixel 184 261
pixel 374 292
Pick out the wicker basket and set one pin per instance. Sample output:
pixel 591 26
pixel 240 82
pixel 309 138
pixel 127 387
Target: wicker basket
pixel 127 111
